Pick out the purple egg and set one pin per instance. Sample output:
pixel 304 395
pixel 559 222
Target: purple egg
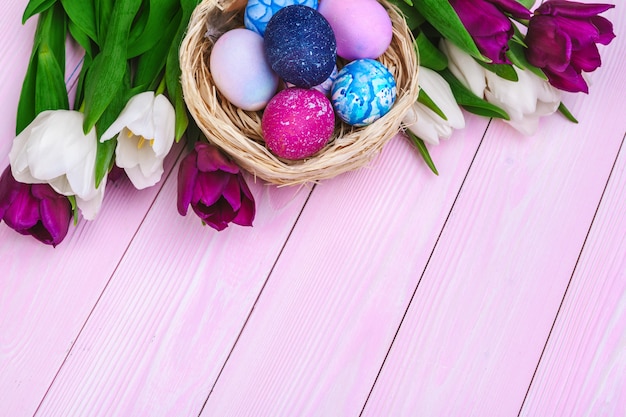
pixel 297 123
pixel 300 46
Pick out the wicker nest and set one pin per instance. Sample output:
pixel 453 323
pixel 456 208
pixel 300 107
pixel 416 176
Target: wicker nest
pixel 238 132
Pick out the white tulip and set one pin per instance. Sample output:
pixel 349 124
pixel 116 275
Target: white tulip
pixel 53 149
pixel 425 123
pixel 525 100
pixel 145 130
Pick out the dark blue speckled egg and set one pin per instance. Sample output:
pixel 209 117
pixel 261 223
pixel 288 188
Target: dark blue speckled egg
pixel 363 92
pixel 300 46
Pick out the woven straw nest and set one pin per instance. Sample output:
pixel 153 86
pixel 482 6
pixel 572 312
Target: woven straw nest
pixel 238 132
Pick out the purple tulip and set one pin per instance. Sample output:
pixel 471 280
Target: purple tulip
pixel 488 23
pixel 562 38
pixel 34 209
pixel 215 188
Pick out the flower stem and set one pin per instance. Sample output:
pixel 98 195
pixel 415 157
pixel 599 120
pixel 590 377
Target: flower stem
pixel 161 88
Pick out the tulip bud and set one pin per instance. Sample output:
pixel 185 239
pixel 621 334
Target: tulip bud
pixel 34 209
pixel 562 38
pixel 215 188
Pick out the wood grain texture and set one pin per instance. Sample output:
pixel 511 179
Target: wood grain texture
pixel 475 330
pixel 583 369
pixel 323 324
pixel 172 311
pixel 46 293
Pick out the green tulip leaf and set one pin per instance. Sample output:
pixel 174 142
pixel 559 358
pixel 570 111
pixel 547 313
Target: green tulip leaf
pixel 425 99
pixel 26 105
pixel 527 3
pixel 159 16
pixel 429 55
pixel 103 10
pixel 35 7
pixel 74 206
pixel 470 101
pixel 423 150
pixel 173 72
pixel 151 63
pixel 110 65
pixel 568 115
pixel 517 56
pixel 412 17
pixel 80 84
pixel 441 15
pixel 105 151
pixel 50 89
pixel 82 14
pixel 505 71
pixel 80 37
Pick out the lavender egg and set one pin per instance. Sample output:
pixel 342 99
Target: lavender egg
pixel 259 12
pixel 300 46
pixel 240 70
pixel 363 28
pixel 363 92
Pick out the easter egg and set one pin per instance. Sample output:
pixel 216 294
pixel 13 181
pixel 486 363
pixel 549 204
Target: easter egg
pixel 259 12
pixel 362 28
pixel 327 85
pixel 240 70
pixel 363 92
pixel 300 46
pixel 297 123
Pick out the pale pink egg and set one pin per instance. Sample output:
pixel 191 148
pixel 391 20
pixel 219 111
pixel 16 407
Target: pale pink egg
pixel 240 70
pixel 362 28
pixel 297 123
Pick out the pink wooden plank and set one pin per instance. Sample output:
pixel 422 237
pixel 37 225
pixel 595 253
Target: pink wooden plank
pixel 164 326
pixel 331 307
pixel 41 287
pixel 483 311
pixel 47 294
pixel 583 369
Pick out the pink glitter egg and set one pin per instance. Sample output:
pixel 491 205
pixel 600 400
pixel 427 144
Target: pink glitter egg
pixel 297 123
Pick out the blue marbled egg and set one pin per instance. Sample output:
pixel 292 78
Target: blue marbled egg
pixel 363 92
pixel 259 12
pixel 300 46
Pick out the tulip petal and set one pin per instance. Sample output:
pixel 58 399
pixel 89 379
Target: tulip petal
pixel 246 213
pixel 513 7
pixel 605 29
pixel 23 213
pixel 89 207
pixel 187 174
pixel 464 67
pixel 164 120
pixel 587 59
pixel 142 180
pixel 548 46
pixel 572 9
pixel 137 113
pixel 56 215
pixel 568 80
pixel 209 187
pixel 127 151
pixel 232 192
pixel 210 158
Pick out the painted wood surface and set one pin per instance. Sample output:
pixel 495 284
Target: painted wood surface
pixel 495 289
pixel 583 368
